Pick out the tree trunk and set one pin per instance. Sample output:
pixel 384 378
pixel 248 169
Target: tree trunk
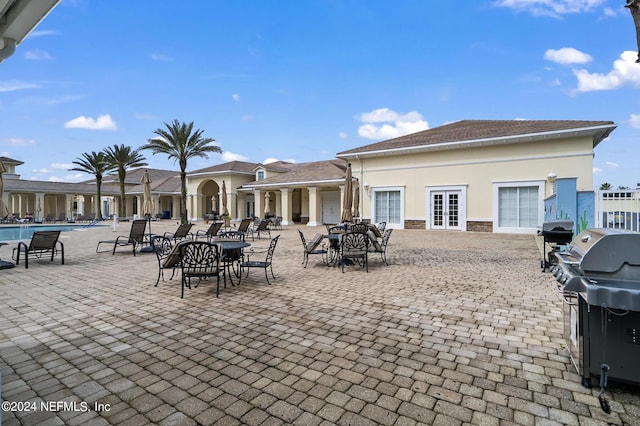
pixel 183 184
pixel 99 201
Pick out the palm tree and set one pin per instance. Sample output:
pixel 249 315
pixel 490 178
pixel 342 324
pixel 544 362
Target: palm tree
pixel 122 158
pixel 94 164
pixel 605 186
pixel 180 142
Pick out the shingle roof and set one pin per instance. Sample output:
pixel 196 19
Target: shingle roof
pixel 299 173
pixel 231 166
pixel 8 160
pixel 485 130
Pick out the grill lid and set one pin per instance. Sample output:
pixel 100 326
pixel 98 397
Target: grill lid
pixel 608 251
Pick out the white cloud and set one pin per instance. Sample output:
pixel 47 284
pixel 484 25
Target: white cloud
pixel 230 156
pixel 634 121
pixel 236 97
pixel 597 170
pixel 612 164
pixel 160 57
pixel 40 33
pixel 248 118
pixel 550 7
pixel 55 179
pixel 62 166
pixel 343 135
pixel 20 142
pixel 37 55
pixel 103 122
pixel 273 160
pixel 625 72
pixel 567 55
pixel 14 85
pixel 384 123
pixel 40 171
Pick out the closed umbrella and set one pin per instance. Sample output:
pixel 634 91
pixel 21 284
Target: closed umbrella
pixel 2 206
pixel 267 201
pixel 356 201
pixel 147 205
pixel 225 211
pixel 348 196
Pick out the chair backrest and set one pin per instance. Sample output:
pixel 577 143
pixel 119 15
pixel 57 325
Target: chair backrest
pixel 385 237
pixel 214 228
pixel 359 228
pixel 263 225
pixel 44 240
pixel 167 254
pixel 304 241
pixel 354 241
pixel 231 235
pixel 336 229
pixel 272 248
pixel 244 225
pixel 375 230
pixel 136 234
pixel 183 230
pixel 381 226
pixel 199 258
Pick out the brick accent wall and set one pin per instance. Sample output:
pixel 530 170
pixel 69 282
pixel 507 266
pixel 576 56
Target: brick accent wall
pixel 479 226
pixel 414 224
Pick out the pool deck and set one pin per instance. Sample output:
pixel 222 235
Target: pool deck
pixel 461 328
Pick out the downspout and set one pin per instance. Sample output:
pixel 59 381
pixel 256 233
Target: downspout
pixel 361 187
pixel 9 46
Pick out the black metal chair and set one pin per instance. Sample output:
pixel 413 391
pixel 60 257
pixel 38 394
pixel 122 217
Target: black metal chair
pixel 167 254
pixel 313 247
pixel 230 259
pixel 135 237
pixel 183 231
pixel 359 228
pixel 381 246
pixel 211 232
pixel 42 242
pixel 264 264
pixel 262 228
pixel 201 260
pixel 354 247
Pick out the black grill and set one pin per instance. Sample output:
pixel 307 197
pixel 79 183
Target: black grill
pixel 555 233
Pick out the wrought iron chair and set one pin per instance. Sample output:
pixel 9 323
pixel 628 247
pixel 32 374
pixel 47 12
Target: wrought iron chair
pixel 167 254
pixel 183 231
pixel 230 259
pixel 42 242
pixel 135 238
pixel 199 259
pixel 381 247
pixel 354 246
pixel 313 247
pixel 359 228
pixel 211 232
pixel 264 264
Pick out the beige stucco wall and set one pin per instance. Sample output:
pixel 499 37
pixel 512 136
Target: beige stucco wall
pixel 477 169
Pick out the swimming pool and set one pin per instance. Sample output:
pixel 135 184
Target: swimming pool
pixel 25 232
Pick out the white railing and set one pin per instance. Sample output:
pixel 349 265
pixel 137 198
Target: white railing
pixel 618 208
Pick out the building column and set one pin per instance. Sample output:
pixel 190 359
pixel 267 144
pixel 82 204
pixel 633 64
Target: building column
pixel 278 211
pixel 258 199
pixel 242 205
pixel 68 202
pixel 285 196
pixel 315 205
pixel 175 210
pixel 39 206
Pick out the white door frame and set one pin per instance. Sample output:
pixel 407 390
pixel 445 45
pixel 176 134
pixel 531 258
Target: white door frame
pixel 462 205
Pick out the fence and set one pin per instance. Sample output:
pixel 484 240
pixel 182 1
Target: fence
pixel 618 209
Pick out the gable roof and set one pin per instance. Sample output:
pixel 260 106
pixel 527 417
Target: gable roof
pixel 466 133
pixel 326 171
pixel 241 167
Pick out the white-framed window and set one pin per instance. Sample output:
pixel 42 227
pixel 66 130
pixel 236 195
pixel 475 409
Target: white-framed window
pixel 518 207
pixel 388 206
pixel 260 175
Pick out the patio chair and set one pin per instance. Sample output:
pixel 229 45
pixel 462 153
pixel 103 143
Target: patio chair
pixel 134 239
pixel 62 217
pixel 211 232
pixel 381 246
pixel 354 247
pixel 359 228
pixel 313 247
pixel 276 223
pixel 42 242
pixel 49 218
pixel 167 254
pixel 264 264
pixel 263 227
pixel 201 260
pixel 181 232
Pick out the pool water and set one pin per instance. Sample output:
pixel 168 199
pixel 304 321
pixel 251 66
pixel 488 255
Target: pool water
pixel 25 232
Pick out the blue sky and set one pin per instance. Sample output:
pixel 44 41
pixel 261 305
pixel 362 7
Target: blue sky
pixel 302 80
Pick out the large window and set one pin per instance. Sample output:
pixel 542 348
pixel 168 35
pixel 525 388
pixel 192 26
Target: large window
pixel 518 206
pixel 388 206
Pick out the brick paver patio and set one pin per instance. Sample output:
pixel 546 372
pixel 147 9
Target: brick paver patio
pixel 461 328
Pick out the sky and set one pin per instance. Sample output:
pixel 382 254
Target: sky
pixel 303 80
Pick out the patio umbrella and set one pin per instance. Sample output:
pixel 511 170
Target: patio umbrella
pixel 213 204
pixel 267 200
pixel 147 205
pixel 348 196
pixel 225 211
pixel 356 200
pixel 2 206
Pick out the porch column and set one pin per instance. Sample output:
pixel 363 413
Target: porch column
pixel 39 206
pixel 258 199
pixel 278 203
pixel 242 203
pixel 287 206
pixel 68 202
pixel 20 205
pixel 314 207
pixel 175 207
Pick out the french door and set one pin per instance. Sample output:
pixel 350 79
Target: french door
pixel 447 209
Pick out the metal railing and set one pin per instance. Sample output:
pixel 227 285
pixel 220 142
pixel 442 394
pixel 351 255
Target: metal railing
pixel 618 209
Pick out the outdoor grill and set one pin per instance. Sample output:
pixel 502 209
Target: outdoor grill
pixel 599 277
pixel 556 233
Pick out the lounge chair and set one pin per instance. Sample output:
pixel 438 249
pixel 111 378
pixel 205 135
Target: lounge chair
pixel 263 227
pixel 181 232
pixel 135 238
pixel 264 264
pixel 42 242
pixel 213 230
pixel 313 247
